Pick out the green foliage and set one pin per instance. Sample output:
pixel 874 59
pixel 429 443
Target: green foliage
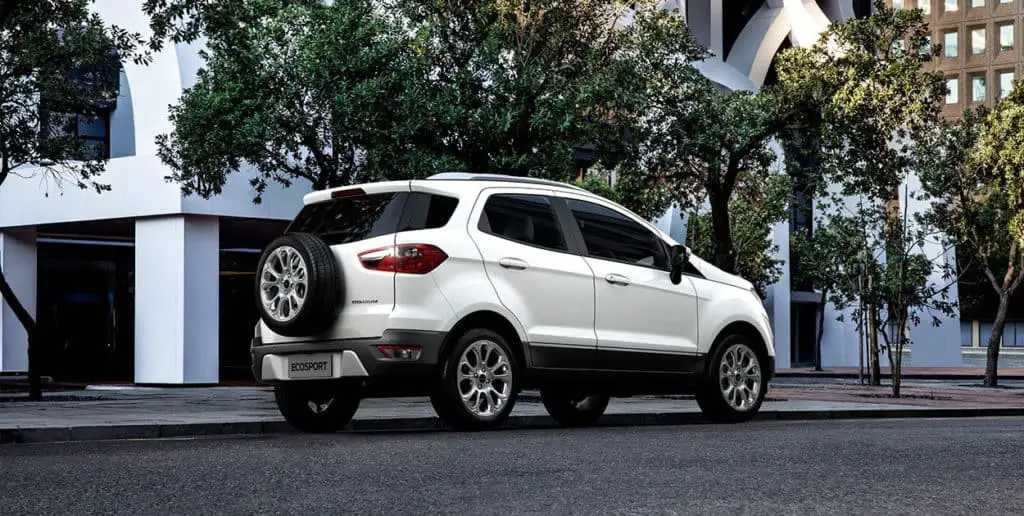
pixel 755 209
pixel 362 90
pixel 43 42
pixel 313 92
pixel 998 158
pixel 702 145
pixel 870 97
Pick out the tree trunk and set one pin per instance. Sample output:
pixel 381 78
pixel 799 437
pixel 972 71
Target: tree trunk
pixel 896 358
pixel 35 391
pixel 725 255
pixel 991 366
pixel 875 376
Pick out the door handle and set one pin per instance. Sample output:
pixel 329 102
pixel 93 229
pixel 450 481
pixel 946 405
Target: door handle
pixel 617 279
pixel 513 263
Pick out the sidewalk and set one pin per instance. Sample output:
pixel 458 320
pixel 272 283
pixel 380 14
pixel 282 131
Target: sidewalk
pixel 138 412
pixel 935 373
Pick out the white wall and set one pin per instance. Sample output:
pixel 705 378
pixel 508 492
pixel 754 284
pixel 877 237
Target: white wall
pixel 135 174
pixel 18 261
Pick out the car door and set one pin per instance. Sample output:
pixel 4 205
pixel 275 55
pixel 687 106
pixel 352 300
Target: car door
pixel 642 320
pixel 538 274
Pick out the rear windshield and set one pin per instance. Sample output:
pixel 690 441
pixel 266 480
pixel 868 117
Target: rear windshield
pixel 351 219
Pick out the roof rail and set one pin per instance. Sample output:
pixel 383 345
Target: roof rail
pixel 469 176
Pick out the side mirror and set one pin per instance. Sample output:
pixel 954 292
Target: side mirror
pixel 678 258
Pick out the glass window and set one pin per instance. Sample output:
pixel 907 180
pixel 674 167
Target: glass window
pixel 426 211
pixel 1005 84
pixel 926 48
pixel 952 49
pixel 978 88
pixel 977 3
pixel 925 6
pixel 350 219
pixel 978 41
pixel 1006 37
pixel 950 5
pixel 611 235
pixel 1006 1
pixel 953 95
pixel 897 4
pixel 528 219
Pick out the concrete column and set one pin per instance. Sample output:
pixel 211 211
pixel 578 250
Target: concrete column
pixel 18 260
pixel 177 299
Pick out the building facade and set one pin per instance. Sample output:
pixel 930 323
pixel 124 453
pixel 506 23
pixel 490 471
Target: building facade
pixel 149 286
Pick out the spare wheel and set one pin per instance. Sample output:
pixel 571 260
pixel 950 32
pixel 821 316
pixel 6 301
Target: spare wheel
pixel 298 285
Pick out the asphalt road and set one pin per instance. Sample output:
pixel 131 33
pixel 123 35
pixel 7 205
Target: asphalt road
pixel 933 467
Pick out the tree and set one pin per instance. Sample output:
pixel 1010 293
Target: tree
pixel 313 92
pixel 754 209
pixel 705 145
pixel 970 175
pixel 484 86
pixel 59 65
pixel 839 277
pixel 875 103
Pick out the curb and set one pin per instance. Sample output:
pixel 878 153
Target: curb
pixel 159 431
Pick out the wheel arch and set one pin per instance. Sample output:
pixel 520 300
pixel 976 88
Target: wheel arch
pixel 491 320
pixel 749 331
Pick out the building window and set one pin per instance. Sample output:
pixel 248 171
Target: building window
pixel 1005 84
pixel 950 5
pixel 953 95
pixel 925 6
pixel 1006 37
pixel 977 3
pixel 978 88
pixel 897 4
pixel 950 44
pixel 926 48
pixel 978 41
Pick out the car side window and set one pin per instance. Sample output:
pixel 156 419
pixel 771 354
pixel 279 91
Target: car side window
pixel 611 235
pixel 528 219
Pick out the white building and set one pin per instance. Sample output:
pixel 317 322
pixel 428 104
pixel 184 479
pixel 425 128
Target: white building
pixel 148 285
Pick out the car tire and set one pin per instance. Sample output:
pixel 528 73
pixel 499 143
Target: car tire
pixel 316 408
pixel 298 285
pixel 490 391
pixel 735 384
pixel 570 409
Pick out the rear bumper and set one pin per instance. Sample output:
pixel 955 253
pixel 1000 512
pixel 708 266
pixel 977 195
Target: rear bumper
pixel 349 358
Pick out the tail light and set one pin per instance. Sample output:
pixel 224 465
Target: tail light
pixel 405 258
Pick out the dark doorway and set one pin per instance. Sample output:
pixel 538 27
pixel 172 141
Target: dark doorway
pixel 85 307
pixel 804 328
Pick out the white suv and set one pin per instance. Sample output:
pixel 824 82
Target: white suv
pixel 469 288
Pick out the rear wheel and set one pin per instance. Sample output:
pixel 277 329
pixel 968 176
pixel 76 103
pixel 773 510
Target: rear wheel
pixel 479 382
pixel 735 384
pixel 570 409
pixel 316 408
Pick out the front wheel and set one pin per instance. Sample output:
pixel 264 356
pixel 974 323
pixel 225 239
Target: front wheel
pixel 316 408
pixel 479 382
pixel 735 385
pixel 573 409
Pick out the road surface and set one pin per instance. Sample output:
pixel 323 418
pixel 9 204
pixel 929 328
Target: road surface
pixel 955 466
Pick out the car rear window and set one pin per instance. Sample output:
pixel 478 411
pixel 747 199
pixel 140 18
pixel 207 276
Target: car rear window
pixel 351 219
